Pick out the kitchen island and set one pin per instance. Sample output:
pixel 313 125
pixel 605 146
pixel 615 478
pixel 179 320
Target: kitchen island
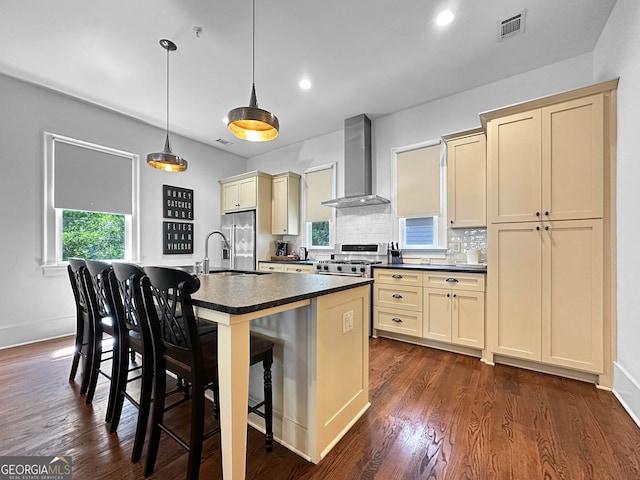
pixel 320 372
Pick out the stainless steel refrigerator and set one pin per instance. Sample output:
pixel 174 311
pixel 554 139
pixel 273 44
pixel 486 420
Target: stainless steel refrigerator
pixel 240 230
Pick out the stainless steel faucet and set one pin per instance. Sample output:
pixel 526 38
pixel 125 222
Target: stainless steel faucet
pixel 205 260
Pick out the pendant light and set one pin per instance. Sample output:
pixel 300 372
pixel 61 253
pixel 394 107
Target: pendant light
pixel 252 123
pixel 167 160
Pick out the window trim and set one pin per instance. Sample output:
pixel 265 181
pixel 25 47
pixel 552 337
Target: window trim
pixel 52 218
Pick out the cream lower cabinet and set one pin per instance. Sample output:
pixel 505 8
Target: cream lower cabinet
pixel 545 299
pixel 443 306
pixel 397 301
pixel 284 267
pixel 453 308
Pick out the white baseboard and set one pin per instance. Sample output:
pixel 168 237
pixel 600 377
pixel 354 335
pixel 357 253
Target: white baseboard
pixel 627 391
pixel 36 331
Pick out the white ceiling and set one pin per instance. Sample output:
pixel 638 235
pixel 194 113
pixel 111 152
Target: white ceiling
pixel 362 56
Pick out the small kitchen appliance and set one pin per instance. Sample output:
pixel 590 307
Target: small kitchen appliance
pixel 282 249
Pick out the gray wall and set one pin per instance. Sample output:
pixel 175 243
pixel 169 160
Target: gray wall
pixel 35 307
pixel 617 54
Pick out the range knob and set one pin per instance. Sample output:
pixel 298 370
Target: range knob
pixel 326 267
pixel 339 268
pixel 354 269
pixel 362 269
pixel 318 267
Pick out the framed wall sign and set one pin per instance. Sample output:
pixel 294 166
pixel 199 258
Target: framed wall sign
pixel 177 237
pixel 177 203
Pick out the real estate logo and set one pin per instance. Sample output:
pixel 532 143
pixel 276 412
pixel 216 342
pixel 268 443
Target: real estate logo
pixel 35 468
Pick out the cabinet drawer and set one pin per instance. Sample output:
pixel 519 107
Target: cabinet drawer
pixel 399 321
pixel 400 296
pixel 299 269
pixel 397 277
pixel 270 267
pixel 454 281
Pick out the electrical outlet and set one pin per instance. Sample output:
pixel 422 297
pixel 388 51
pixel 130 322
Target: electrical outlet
pixel 347 321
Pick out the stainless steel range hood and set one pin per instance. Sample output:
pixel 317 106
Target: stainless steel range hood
pixel 357 166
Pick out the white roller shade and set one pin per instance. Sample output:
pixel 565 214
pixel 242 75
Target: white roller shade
pixel 319 188
pixel 418 182
pixel 91 180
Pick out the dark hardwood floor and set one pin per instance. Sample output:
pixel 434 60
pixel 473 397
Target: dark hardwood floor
pixel 433 415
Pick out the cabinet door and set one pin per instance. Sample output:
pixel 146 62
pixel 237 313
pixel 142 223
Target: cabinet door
pixel 467 318
pixel 514 168
pixel 436 314
pixel 573 159
pixel 230 194
pixel 466 182
pixel 247 193
pixel 514 289
pixel 279 212
pixel 572 301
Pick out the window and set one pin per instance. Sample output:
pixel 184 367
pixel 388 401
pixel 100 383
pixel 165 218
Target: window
pixel 91 203
pixel 320 186
pixel 419 233
pixel 420 190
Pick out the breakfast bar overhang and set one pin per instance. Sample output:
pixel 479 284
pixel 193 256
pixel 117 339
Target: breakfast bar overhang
pixel 322 324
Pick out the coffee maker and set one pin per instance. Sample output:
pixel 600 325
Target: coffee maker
pixel 282 249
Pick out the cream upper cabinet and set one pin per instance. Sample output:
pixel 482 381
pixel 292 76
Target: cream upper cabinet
pixel 239 194
pixel 285 209
pixel 547 163
pixel 466 179
pixel 514 168
pixel 545 301
pixel 573 159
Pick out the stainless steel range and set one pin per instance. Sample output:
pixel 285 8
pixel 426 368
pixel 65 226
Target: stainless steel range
pixel 353 260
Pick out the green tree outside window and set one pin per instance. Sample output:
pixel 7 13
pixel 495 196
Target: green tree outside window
pixel 92 235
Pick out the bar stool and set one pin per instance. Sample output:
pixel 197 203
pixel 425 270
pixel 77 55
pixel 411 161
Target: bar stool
pixel 178 348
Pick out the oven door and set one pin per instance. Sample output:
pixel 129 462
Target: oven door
pixel 342 274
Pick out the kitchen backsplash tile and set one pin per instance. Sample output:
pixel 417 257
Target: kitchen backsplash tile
pixel 462 239
pixel 370 224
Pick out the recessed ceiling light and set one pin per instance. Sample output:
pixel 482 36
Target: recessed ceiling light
pixel 445 18
pixel 304 84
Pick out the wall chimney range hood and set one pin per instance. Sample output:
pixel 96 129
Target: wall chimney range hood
pixel 357 166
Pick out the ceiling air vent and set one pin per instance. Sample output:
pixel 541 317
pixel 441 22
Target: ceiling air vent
pixel 223 142
pixel 511 26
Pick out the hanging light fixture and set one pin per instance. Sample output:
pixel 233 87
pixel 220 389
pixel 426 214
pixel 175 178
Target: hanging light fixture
pixel 252 123
pixel 167 160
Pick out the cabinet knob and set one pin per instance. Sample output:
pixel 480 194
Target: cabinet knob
pixel 396 319
pixel 546 227
pixel 448 295
pixel 537 214
pixel 454 295
pixel 396 295
pixel 546 214
pixel 538 228
pixel 451 222
pixel 396 275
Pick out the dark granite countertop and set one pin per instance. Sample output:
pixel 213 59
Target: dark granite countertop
pixel 442 268
pixel 251 292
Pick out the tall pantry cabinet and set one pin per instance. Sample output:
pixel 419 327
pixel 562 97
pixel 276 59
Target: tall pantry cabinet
pixel 550 210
